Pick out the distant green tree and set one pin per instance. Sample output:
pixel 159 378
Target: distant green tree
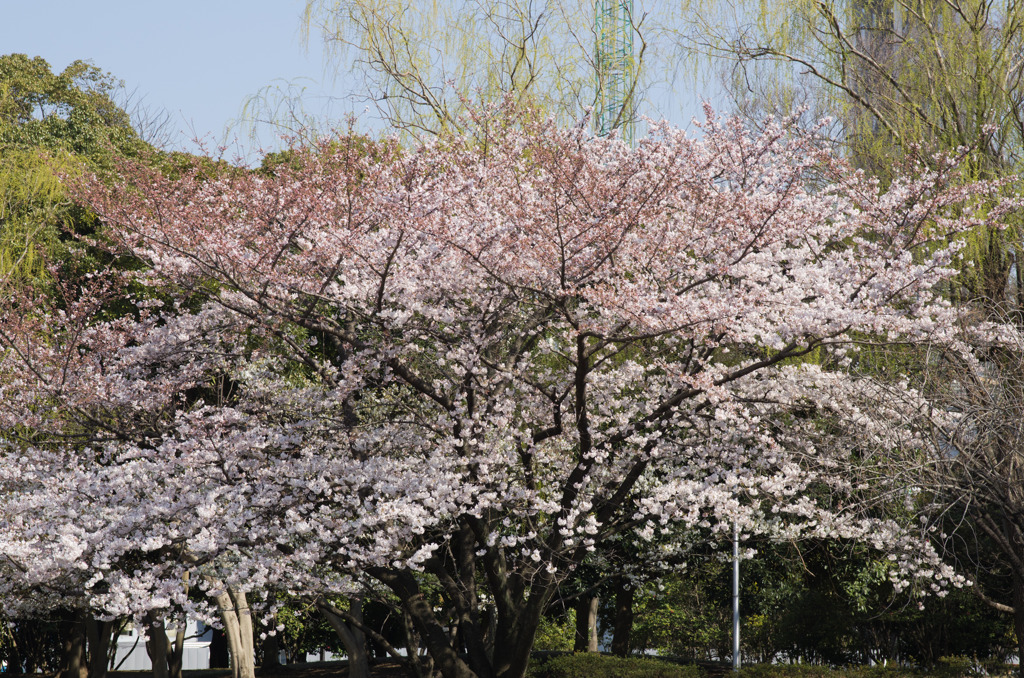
pixel 72 111
pixel 51 124
pixel 820 604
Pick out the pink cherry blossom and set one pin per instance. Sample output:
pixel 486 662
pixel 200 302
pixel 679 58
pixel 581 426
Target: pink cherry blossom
pixel 491 355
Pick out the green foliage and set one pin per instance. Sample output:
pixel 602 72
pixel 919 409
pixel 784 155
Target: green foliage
pixel 305 631
pixel 70 112
pixel 593 665
pixel 819 671
pixel 688 614
pixel 176 164
pixel 556 634
pixel 947 667
pixel 842 610
pixel 807 671
pixel 51 125
pixel 823 604
pixel 30 198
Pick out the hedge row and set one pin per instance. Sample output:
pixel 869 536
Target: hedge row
pixel 593 665
pixel 947 667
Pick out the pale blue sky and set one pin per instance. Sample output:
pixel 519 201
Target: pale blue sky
pixel 197 59
pixel 201 59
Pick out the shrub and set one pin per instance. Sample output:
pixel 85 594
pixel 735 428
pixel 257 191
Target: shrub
pixel 787 671
pixel 556 633
pixel 593 665
pixel 947 667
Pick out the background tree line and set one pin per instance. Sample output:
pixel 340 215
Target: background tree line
pixel 885 70
pixel 900 79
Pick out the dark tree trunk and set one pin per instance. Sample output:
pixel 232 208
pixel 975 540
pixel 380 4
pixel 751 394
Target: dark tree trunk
pixel 98 634
pixel 586 624
pixel 520 639
pixel 176 656
pixel 15 662
pixel 1018 619
pixel 219 650
pixel 351 637
pixel 271 652
pixel 417 668
pixel 156 646
pixel 73 664
pixel 623 618
pixel 434 635
pixel 519 606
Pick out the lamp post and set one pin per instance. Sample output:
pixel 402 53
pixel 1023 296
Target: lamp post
pixel 736 595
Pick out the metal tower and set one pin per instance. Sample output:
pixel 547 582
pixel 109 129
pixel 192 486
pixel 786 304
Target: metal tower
pixel 614 59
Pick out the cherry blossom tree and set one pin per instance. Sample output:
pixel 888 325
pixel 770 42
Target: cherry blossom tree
pixel 964 477
pixel 86 493
pixel 461 370
pixel 975 469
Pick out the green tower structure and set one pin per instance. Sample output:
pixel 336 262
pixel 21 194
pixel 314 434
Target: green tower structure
pixel 613 108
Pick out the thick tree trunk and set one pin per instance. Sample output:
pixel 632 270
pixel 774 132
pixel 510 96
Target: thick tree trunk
pixel 156 646
pixel 98 634
pixel 229 617
pixel 176 657
pixel 520 609
pixel 73 664
pixel 623 618
pixel 247 659
pixel 490 623
pixel 586 624
pixel 351 637
pixel 432 633
pixel 417 668
pixel 514 663
pixel 237 618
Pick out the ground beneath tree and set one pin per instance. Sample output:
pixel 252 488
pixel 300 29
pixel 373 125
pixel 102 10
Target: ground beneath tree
pixel 338 669
pixel 383 669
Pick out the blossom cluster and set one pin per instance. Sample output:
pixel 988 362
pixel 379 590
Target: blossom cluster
pixel 517 346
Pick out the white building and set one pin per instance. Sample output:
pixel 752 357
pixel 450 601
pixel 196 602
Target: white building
pixel 132 656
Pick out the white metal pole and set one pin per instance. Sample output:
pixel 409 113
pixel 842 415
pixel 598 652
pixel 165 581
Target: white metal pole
pixel 736 596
